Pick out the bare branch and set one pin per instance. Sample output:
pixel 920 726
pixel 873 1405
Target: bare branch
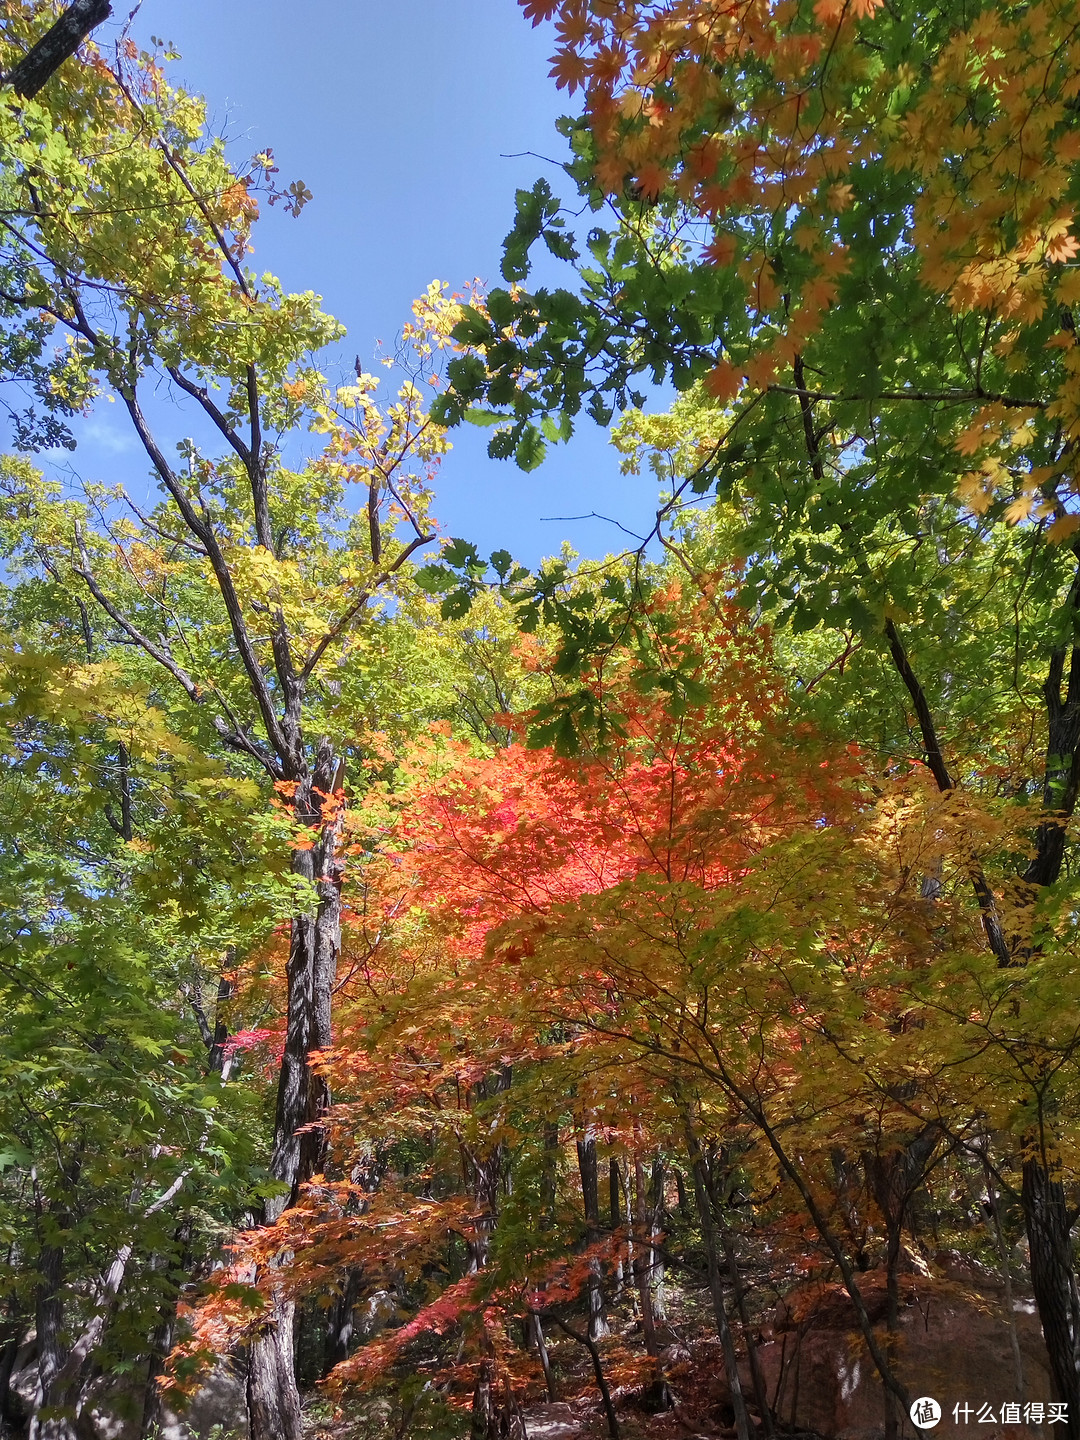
pixel 191 545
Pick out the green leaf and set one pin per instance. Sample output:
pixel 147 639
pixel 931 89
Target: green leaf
pixel 435 579
pixel 483 418
pixel 460 553
pixel 456 605
pixel 473 328
pixel 530 449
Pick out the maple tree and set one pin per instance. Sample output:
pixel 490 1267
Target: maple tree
pixel 847 233
pixel 684 940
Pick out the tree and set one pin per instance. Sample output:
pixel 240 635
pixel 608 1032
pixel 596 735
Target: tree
pixel 568 911
pixel 117 1129
pixel 852 230
pixel 250 580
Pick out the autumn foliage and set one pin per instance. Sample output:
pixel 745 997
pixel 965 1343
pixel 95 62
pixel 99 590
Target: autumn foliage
pixel 715 932
pixel 453 984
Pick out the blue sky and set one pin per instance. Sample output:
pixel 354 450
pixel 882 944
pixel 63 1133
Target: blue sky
pixel 397 115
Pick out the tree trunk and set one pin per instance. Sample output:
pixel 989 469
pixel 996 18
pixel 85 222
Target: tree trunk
pixel 640 1224
pixel 165 1331
pixel 1047 1224
pixel 680 1188
pixel 598 1371
pixel 340 1324
pixel 716 1288
pixel 482 1425
pixel 656 1228
pixel 315 940
pixel 1042 1196
pixel 314 944
pixel 273 1401
pixel 614 1195
pixel 1006 1280
pixel 545 1358
pixel 12 1410
pixel 590 1192
pixel 761 1394
pixel 51 1354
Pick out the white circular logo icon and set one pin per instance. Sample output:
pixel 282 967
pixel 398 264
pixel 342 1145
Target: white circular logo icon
pixel 925 1412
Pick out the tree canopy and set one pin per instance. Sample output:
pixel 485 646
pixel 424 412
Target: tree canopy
pixel 432 984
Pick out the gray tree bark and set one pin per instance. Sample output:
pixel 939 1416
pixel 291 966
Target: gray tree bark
pixel 58 44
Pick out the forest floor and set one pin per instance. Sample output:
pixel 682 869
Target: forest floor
pixel 693 1367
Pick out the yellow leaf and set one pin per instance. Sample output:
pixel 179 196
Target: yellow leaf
pixel 1062 528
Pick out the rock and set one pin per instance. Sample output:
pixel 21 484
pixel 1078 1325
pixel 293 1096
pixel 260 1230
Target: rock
pixel 551 1422
pixel 953 1344
pixel 117 1409
pixel 222 1400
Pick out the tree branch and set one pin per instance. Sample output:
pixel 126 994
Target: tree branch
pixel 354 609
pixel 58 44
pixel 202 395
pixel 163 657
pixel 235 738
pixel 935 761
pixel 950 397
pixel 203 531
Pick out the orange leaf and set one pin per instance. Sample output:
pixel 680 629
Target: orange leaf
pixel 721 251
pixel 723 382
pixel 568 70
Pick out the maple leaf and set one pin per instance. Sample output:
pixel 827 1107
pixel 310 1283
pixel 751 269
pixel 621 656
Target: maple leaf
pixel 1018 509
pixel 1062 529
pixel 537 11
pixel 830 12
pixel 1063 247
pixel 720 250
pixel 651 181
pixel 724 381
pixel 611 174
pixel 760 369
pixel 569 70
